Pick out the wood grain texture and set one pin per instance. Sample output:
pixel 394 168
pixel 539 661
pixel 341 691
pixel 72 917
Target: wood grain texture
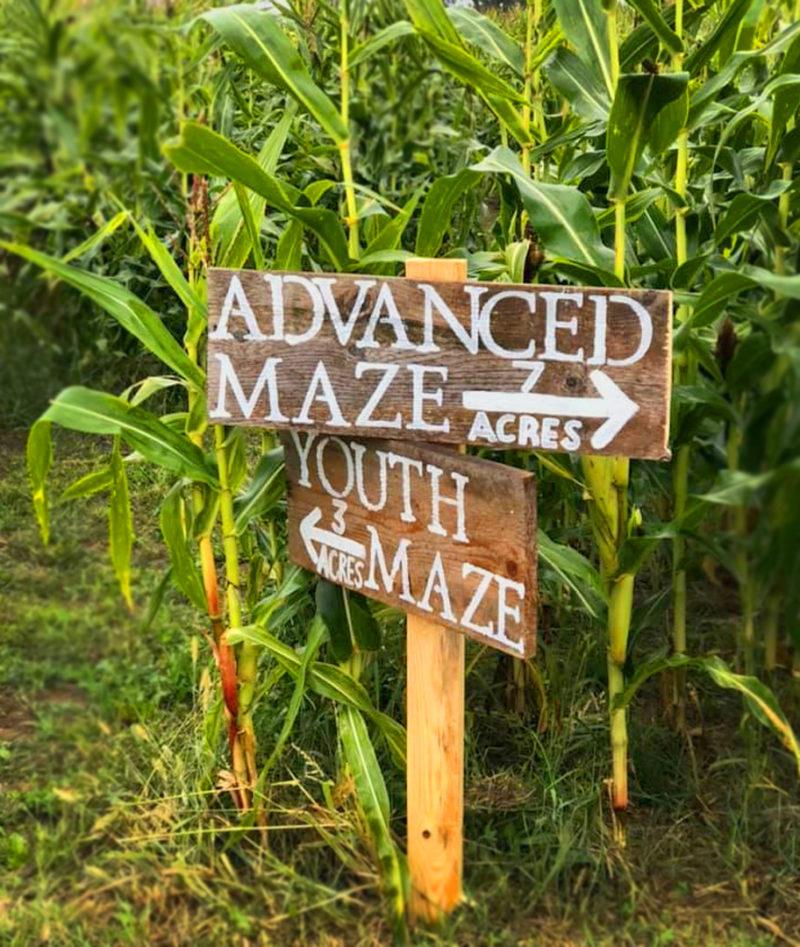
pixel 435 806
pixel 454 341
pixel 435 728
pixel 465 529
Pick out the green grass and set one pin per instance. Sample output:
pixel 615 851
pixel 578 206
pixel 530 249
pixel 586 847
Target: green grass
pixel 113 831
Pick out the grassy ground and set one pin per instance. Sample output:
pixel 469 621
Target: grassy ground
pixel 112 830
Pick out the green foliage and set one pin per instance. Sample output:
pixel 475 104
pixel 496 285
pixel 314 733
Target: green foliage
pixel 514 141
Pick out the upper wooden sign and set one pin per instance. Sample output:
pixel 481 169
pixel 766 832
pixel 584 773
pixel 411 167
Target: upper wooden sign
pixel 423 528
pixel 490 364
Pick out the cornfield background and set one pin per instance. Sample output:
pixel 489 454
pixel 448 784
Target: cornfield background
pixel 200 742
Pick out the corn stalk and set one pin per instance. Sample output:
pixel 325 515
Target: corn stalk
pixel 683 369
pixel 345 145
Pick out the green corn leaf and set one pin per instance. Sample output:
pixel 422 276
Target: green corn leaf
pixel 229 236
pixel 653 17
pixel 727 285
pixel 488 37
pixel 131 313
pixel 331 682
pixel 98 237
pixel 251 226
pixel 120 524
pixel 638 100
pixel 289 251
pixel 373 800
pixel 202 151
pixel 668 123
pixel 708 93
pixel 759 698
pixel 586 28
pixel 173 520
pixel 431 17
pixel 576 572
pixel 199 150
pixel 635 206
pixel 510 118
pixel 378 41
pixel 516 256
pixel 257 38
pixel 737 487
pixel 715 295
pixel 169 269
pixel 98 481
pixel 730 21
pixel 94 412
pixel 264 491
pixel 316 190
pixel 784 104
pixel 742 213
pixel 366 262
pixel 788 286
pixel 390 236
pixel 331 609
pixel 348 619
pixel 39 458
pixel 562 215
pixel 582 273
pixel 155 601
pixel 365 630
pixel 579 85
pixel 316 635
pixel 139 392
pixel 469 70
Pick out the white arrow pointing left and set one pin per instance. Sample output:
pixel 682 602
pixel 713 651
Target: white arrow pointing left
pixel 311 534
pixel 612 404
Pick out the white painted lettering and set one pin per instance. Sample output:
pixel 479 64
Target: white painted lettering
pixel 434 301
pixel 392 318
pixel 485 327
pixel 645 327
pixel 437 582
pixel 399 565
pixel 419 395
pixel 435 525
pixel 327 395
pixel 481 428
pixel 373 505
pixel 229 378
pixel 237 304
pixel 303 452
pixel 572 438
pixel 552 324
pixel 365 418
pixel 504 436
pixel 549 433
pixel 342 329
pixel 406 464
pixel 600 322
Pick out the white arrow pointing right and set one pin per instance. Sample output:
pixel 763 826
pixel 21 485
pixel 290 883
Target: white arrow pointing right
pixel 613 405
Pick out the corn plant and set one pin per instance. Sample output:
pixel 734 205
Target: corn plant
pixel 644 144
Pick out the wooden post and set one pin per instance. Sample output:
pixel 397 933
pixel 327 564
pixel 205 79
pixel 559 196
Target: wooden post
pixel 435 722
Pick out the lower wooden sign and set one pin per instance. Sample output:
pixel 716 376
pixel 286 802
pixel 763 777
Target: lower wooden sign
pixel 422 528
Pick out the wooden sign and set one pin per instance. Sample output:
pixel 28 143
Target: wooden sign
pixel 558 368
pixel 426 529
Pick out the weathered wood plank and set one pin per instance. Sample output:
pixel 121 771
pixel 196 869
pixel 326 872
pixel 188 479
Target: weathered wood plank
pixel 430 531
pixel 582 370
pixel 435 777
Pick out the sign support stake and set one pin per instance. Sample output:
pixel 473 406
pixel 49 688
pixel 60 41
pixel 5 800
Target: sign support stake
pixel 435 725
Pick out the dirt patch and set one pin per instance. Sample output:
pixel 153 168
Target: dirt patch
pixel 16 720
